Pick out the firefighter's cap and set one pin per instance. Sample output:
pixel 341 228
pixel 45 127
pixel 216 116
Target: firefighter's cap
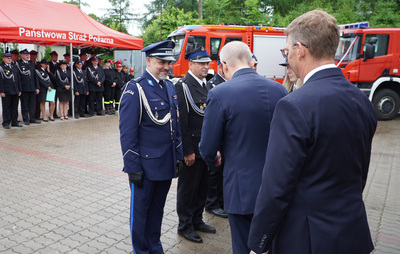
pixel 161 50
pixel 199 55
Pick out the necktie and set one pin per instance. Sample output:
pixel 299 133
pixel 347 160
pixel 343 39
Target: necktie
pixel 161 84
pixel 204 87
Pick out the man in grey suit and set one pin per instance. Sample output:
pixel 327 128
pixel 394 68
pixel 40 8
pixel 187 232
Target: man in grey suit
pixel 316 166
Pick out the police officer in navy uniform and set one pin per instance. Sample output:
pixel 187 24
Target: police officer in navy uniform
pixel 151 145
pixel 10 90
pixel 193 179
pixel 96 78
pixel 215 198
pixel 30 87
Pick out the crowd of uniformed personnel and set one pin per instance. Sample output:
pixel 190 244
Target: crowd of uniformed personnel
pixel 23 78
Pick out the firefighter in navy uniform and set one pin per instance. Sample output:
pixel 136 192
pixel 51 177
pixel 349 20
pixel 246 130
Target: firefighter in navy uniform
pixel 30 87
pixel 53 67
pixel 96 77
pixel 151 145
pixel 10 90
pixel 110 83
pixel 121 81
pixel 80 89
pixel 193 180
pixel 215 197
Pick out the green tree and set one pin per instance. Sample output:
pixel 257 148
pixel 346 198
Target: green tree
pixel 77 2
pixel 46 55
pixel 172 18
pixel 118 15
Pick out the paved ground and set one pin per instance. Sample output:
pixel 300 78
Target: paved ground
pixel 62 191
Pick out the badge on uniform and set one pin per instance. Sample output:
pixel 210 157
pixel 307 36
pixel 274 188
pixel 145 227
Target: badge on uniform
pixel 130 92
pixel 156 115
pixel 7 72
pixel 175 97
pixel 42 73
pixel 23 68
pixel 203 107
pixel 150 82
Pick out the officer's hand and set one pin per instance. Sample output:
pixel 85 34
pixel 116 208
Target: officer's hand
pixel 219 160
pixel 179 166
pixel 137 178
pixel 3 95
pixel 189 159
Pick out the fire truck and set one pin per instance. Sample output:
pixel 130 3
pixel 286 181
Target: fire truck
pixel 265 43
pixel 369 58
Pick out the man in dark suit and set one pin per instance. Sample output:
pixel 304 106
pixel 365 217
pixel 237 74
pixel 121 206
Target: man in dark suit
pixel 151 145
pixel 30 87
pixel 238 117
pixel 193 179
pixel 215 198
pixel 310 199
pixel 96 78
pixel 10 90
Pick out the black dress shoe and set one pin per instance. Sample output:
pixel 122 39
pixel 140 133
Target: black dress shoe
pixel 35 121
pixel 82 115
pixel 6 127
pixel 16 125
pixel 205 228
pixel 191 236
pixel 218 212
pixel 27 123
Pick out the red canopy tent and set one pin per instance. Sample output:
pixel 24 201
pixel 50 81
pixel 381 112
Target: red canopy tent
pixel 49 23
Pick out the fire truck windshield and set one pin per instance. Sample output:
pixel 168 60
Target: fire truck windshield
pixel 178 44
pixel 348 49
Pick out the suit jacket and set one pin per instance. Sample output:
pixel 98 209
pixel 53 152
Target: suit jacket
pixel 146 145
pixel 63 79
pixel 44 80
pixel 310 200
pixel 53 68
pixel 80 82
pixel 238 116
pixel 216 80
pixel 190 121
pixel 29 80
pixel 10 82
pixel 110 77
pixel 94 75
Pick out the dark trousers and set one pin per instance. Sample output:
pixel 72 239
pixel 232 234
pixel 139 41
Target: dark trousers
pixel 95 103
pixel 117 97
pixel 28 106
pixel 108 95
pixel 192 194
pixel 147 209
pixel 240 228
pixel 215 197
pixel 10 109
pixel 80 105
pixel 37 108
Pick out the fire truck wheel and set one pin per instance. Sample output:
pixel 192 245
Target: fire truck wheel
pixel 386 103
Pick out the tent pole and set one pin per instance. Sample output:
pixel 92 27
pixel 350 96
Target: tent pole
pixel 72 80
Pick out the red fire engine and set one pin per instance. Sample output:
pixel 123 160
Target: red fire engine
pixel 369 58
pixel 264 42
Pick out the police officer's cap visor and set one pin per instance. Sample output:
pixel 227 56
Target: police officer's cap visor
pixel 165 58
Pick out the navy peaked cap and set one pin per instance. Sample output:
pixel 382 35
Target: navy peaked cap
pixel 161 50
pixel 199 55
pixel 24 51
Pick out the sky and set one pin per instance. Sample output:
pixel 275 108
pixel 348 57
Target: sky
pixel 99 7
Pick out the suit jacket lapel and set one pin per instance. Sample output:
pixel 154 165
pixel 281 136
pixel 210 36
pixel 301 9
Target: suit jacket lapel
pixel 193 82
